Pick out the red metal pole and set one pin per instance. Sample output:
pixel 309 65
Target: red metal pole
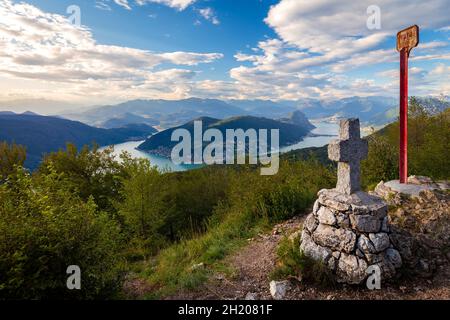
pixel 403 116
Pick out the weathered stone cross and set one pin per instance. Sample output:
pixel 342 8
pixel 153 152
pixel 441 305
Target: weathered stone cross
pixel 349 150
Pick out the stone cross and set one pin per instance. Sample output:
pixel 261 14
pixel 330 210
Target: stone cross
pixel 348 150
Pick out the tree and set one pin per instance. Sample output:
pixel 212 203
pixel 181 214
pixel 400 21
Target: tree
pixel 11 156
pixel 44 228
pixel 91 172
pixel 139 210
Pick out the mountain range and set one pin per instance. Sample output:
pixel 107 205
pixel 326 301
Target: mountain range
pixel 165 114
pixel 44 134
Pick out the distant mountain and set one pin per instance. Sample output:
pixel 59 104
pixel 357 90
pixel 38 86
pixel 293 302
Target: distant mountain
pixel 365 108
pixel 298 118
pixel 161 143
pixel 170 113
pixel 41 106
pixel 375 110
pixel 127 119
pixel 30 113
pixel 165 113
pixel 42 134
pixel 370 110
pixel 264 108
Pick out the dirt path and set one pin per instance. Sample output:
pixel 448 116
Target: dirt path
pixel 253 264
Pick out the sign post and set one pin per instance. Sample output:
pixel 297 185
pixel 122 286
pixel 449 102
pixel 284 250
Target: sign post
pixel 406 40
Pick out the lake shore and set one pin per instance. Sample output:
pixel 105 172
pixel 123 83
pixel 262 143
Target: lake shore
pixel 318 137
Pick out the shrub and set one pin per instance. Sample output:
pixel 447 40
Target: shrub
pixel 293 263
pixel 44 228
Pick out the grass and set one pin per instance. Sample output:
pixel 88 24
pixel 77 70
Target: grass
pixel 293 263
pixel 172 269
pixel 253 205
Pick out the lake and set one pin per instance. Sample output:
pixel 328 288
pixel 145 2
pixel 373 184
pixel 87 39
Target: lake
pixel 326 131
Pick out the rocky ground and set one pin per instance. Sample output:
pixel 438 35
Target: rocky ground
pixel 424 229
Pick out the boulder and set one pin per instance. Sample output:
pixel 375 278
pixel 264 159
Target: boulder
pixel 311 223
pixel 351 269
pixel 326 216
pixel 334 199
pixel 365 223
pixel 316 207
pixel 313 250
pixel 380 241
pixel 334 238
pixel 365 245
pixel 342 220
pixel 394 257
pixel 278 289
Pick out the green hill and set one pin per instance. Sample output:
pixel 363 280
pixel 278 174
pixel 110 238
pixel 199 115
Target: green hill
pixel 41 134
pixel 290 133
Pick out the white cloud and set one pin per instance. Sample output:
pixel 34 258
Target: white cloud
pixel 102 5
pixel 190 58
pixel 210 15
pixel 176 4
pixel 35 45
pixel 324 25
pixel 123 3
pixel 320 41
pixel 336 32
pixel 320 47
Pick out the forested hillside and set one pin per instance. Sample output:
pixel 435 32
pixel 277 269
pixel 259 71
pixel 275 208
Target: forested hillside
pixel 42 134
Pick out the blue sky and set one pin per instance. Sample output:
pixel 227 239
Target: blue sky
pixel 249 49
pixel 158 27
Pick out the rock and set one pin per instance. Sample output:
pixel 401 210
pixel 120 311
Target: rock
pixel 351 269
pixel 385 225
pixel 373 258
pixel 359 253
pixel 342 220
pixel 334 238
pixel 334 200
pixel 380 241
pixel 316 207
pixel 424 266
pixel 311 223
pixel 251 296
pixel 387 269
pixel 313 250
pixel 336 255
pixel 377 208
pixel 420 180
pixel 365 223
pixel 394 257
pixel 326 216
pixel 278 289
pixel 409 190
pixel 331 263
pixel 365 245
pixel 404 243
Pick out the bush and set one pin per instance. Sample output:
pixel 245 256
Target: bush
pixel 10 156
pixel 44 228
pixel 91 173
pixel 428 145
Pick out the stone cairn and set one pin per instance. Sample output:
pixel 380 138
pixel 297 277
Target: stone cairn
pixel 348 229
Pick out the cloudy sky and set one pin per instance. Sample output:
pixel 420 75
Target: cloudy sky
pixel 172 49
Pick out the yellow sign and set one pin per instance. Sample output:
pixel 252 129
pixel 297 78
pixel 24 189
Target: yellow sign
pixel 408 38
